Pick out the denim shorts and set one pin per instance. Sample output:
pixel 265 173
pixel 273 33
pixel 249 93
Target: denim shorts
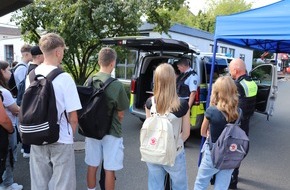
pixel 110 150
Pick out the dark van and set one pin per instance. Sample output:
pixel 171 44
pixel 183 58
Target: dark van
pixel 153 51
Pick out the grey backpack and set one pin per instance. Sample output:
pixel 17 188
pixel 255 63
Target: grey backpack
pixel 231 147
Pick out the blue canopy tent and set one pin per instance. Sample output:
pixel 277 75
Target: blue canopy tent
pixel 266 29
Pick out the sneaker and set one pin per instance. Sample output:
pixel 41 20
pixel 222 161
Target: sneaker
pixel 22 150
pixel 26 155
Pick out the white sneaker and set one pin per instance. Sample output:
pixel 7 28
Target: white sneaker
pixel 22 150
pixel 15 186
pixel 26 155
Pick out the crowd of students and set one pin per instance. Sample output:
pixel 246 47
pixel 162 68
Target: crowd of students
pixel 52 166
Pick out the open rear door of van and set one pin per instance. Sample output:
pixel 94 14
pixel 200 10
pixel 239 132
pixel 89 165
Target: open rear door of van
pixel 148 44
pixel 265 76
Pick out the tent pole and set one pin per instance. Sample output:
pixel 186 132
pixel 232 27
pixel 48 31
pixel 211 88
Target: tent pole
pixel 208 93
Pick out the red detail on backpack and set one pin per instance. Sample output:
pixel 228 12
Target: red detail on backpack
pixel 153 141
pixel 233 147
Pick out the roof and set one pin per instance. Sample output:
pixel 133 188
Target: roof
pixel 8 6
pixel 181 29
pixel 9 31
pixel 266 28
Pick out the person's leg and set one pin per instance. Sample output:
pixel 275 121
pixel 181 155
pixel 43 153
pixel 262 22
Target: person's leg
pixel 178 173
pixel 110 180
pixel 93 158
pixel 63 163
pixel 8 174
pixel 102 178
pixel 223 178
pixel 92 177
pixel 40 167
pixel 113 151
pixel 156 175
pixel 205 171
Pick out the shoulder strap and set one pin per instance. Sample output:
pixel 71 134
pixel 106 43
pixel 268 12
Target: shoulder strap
pixel 239 118
pixel 18 65
pixel 108 82
pixel 1 96
pixel 153 106
pixel 31 76
pixel 54 73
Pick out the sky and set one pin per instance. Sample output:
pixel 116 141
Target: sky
pixel 195 6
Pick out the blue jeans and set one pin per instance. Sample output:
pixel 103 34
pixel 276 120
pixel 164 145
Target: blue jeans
pixel 8 177
pixel 178 175
pixel 52 167
pixel 206 171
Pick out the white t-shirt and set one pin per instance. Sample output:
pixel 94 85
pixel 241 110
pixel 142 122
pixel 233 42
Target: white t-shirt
pixel 67 99
pixel 8 101
pixel 192 81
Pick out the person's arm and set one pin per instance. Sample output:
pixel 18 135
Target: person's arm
pixel 185 126
pixel 191 99
pixel 204 127
pixel 73 120
pixel 14 109
pixel 5 122
pixel 120 115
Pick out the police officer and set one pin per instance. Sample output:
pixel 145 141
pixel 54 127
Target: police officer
pixel 187 82
pixel 247 90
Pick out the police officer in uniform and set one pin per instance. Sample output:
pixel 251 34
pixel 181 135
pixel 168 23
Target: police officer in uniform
pixel 247 90
pixel 187 82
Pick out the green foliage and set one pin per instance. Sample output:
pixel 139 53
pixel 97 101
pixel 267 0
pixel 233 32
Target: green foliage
pixel 221 7
pixel 82 23
pixel 183 16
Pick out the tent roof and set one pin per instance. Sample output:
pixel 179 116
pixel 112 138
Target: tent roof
pixel 8 6
pixel 266 28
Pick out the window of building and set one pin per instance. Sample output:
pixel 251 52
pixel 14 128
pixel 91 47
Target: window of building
pixel 232 52
pixel 224 50
pixel 125 68
pixel 211 48
pixel 9 53
pixel 242 56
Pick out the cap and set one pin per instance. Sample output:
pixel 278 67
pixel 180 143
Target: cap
pixel 35 50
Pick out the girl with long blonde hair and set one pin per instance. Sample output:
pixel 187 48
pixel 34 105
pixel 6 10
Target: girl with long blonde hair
pixel 222 110
pixel 167 101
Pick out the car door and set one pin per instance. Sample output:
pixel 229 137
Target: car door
pixel 265 76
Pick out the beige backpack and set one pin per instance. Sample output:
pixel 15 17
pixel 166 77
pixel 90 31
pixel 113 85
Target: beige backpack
pixel 157 142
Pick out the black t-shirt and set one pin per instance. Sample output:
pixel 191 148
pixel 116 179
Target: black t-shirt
pixel 180 113
pixel 217 122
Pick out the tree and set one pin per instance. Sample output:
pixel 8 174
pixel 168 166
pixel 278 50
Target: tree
pixel 206 20
pixel 82 23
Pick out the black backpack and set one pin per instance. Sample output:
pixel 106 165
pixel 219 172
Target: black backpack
pixel 11 83
pixel 38 112
pixel 95 117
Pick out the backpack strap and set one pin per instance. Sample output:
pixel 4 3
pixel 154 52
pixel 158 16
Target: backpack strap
pixel 18 65
pixel 54 73
pixel 236 122
pixel 239 118
pixel 108 82
pixel 1 96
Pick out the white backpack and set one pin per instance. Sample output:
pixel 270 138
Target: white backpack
pixel 157 142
